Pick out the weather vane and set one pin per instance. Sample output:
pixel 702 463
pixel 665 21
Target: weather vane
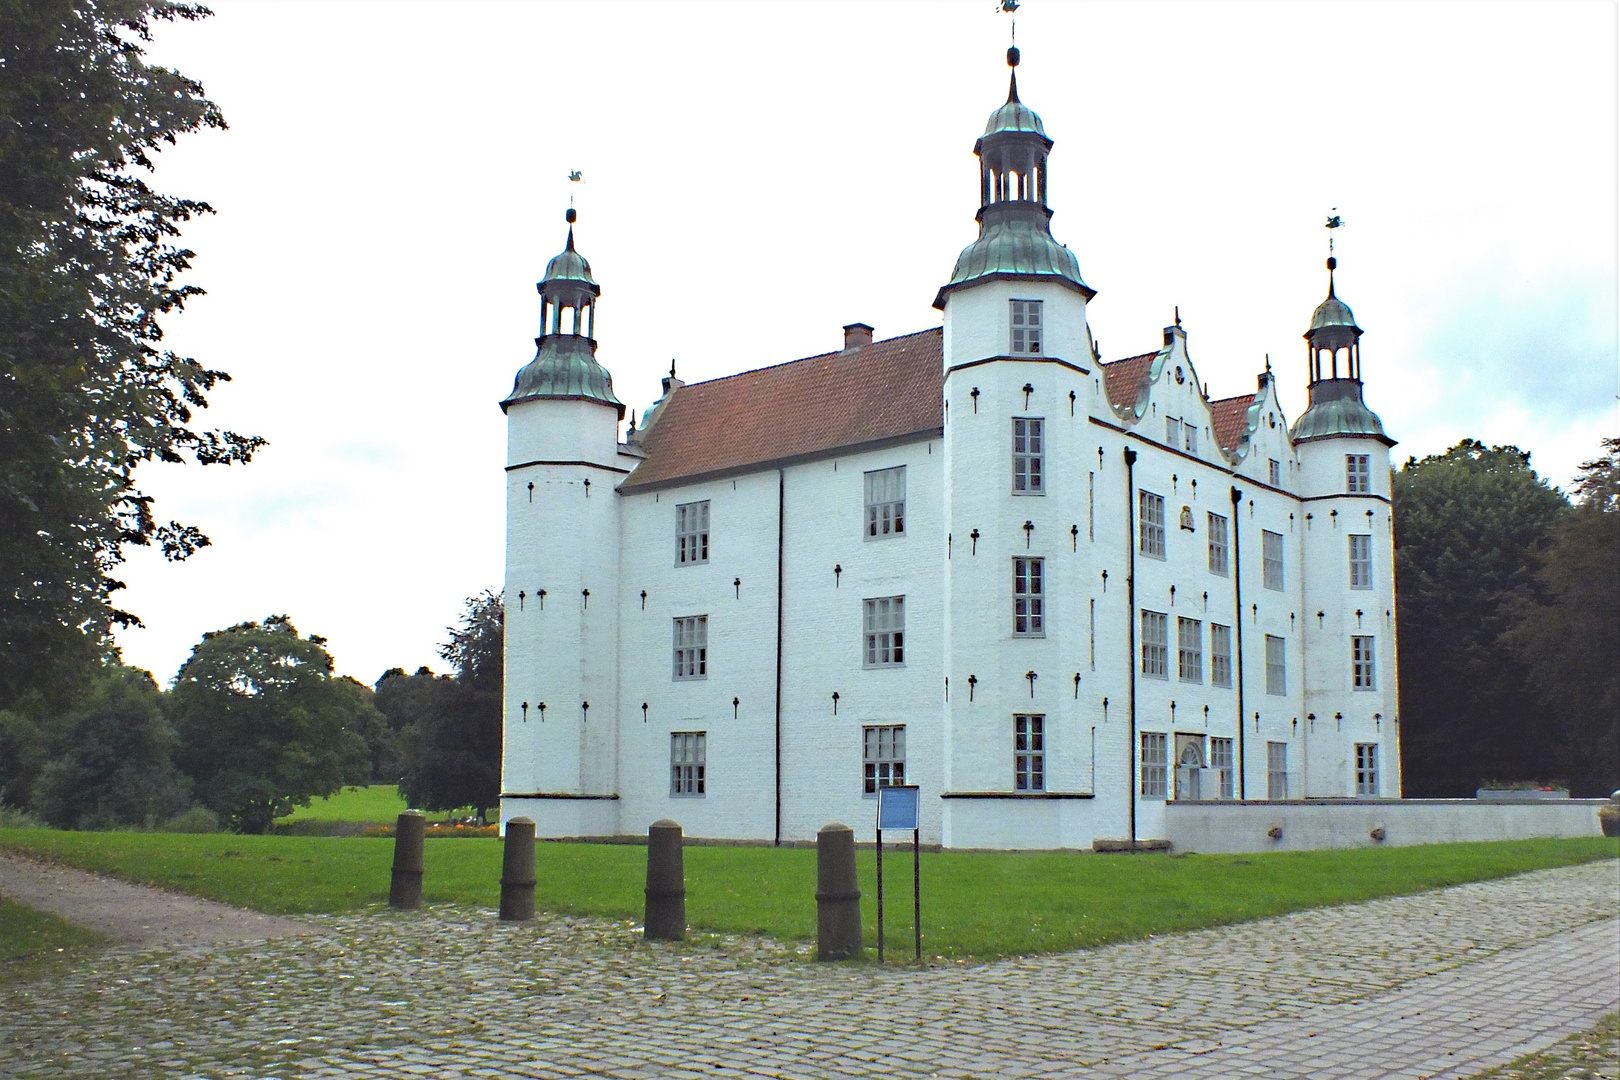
pixel 574 177
pixel 1334 221
pixel 1011 8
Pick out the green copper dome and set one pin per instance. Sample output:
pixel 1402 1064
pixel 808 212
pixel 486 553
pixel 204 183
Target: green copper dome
pixel 1015 116
pixel 570 266
pixel 1332 312
pixel 564 369
pixel 1014 242
pixel 1337 410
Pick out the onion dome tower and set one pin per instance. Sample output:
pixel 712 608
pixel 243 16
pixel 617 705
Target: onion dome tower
pixel 1336 406
pixel 1015 238
pixel 564 366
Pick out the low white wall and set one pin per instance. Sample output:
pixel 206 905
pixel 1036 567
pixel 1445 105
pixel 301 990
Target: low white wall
pixel 1243 827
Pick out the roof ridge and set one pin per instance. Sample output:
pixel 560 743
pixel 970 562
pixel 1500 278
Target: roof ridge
pixel 1234 397
pixel 1138 356
pixel 805 359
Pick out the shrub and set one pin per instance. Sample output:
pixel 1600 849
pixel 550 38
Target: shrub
pixel 13 818
pixel 199 819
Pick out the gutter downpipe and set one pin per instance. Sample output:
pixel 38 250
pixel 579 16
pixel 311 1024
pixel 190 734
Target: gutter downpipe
pixel 781 517
pixel 1237 602
pixel 1130 598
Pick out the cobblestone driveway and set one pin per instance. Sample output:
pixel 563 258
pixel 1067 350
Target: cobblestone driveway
pixel 1443 983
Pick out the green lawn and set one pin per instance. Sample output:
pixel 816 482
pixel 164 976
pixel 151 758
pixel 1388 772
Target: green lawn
pixel 974 903
pixel 377 803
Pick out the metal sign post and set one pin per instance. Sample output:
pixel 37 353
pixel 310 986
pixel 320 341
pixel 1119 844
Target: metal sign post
pixel 898 809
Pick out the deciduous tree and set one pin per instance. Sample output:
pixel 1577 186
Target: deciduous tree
pixel 90 262
pixel 265 726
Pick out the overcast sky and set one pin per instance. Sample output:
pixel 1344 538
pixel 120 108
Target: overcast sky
pixel 757 175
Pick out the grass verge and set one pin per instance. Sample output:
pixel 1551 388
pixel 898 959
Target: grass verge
pixel 975 904
pixel 31 940
pixel 1594 1053
pixel 378 802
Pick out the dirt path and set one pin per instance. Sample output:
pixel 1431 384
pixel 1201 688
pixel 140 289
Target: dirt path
pixel 133 914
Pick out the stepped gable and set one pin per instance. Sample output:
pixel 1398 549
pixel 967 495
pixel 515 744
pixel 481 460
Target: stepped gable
pixel 1122 379
pixel 1227 414
pixel 887 390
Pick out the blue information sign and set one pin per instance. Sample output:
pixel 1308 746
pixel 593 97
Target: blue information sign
pixel 897 807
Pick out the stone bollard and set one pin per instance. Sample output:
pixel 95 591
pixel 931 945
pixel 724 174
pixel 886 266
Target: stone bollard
pixel 405 891
pixel 517 871
pixel 838 898
pixel 666 883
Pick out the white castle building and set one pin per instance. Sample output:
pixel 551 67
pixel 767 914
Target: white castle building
pixel 1052 592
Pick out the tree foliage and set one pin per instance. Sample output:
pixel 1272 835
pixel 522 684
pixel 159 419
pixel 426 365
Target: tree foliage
pixel 114 765
pixel 265 726
pixel 89 263
pixel 1468 525
pixel 450 726
pixel 1568 636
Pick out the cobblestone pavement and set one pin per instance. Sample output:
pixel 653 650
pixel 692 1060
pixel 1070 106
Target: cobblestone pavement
pixel 1439 984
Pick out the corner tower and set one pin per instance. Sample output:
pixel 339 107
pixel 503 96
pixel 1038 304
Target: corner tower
pixel 1351 728
pixel 1019 392
pixel 562 533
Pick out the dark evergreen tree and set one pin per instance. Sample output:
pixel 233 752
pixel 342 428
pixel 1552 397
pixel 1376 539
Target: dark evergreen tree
pixel 450 742
pixel 1468 525
pixel 89 265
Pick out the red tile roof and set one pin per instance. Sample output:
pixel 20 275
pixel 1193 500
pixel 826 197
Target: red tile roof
pixel 1227 414
pixel 886 390
pixel 1123 378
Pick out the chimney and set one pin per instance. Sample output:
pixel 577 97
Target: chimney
pixel 857 334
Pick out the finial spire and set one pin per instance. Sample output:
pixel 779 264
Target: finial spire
pixel 1178 314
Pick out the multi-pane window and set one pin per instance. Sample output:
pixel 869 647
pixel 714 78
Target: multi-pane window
pixel 1153 765
pixel 1220 655
pixel 1274 472
pixel 1357 474
pixel 1363 676
pixel 1190 650
pixel 1189 438
pixel 884 756
pixel 884 623
pixel 1029 752
pixel 1152 525
pixel 1276 770
pixel 1220 759
pixel 1271 559
pixel 1026 327
pixel 692 647
pixel 1028 456
pixel 1217 545
pixel 886 502
pixel 1029 597
pixel 1276 665
pixel 1155 645
pixel 687 752
pixel 692 533
pixel 1367 768
pixel 1180 436
pixel 1360 561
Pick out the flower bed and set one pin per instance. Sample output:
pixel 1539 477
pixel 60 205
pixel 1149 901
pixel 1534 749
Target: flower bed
pixel 434 832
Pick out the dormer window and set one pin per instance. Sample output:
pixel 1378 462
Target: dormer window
pixel 1026 328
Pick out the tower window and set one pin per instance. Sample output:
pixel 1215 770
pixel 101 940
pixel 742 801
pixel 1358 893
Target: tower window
pixel 1155 645
pixel 1367 769
pixel 1029 456
pixel 1363 675
pixel 1029 752
pixel 692 647
pixel 1190 646
pixel 884 756
pixel 885 502
pixel 885 626
pixel 687 751
pixel 1152 525
pixel 1026 327
pixel 692 533
pixel 1361 561
pixel 1357 474
pixel 1217 545
pixel 1271 560
pixel 1029 597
